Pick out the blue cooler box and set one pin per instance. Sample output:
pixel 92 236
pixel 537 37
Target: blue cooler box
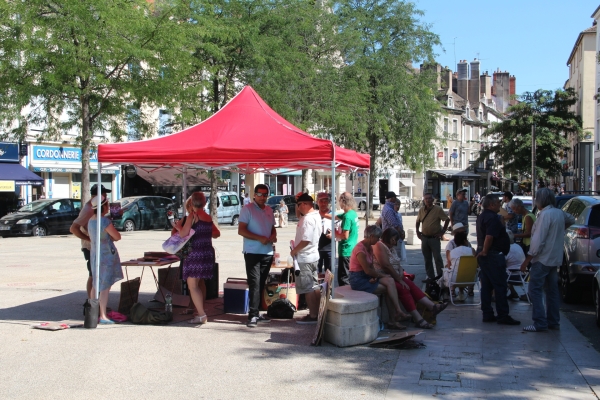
pixel 236 299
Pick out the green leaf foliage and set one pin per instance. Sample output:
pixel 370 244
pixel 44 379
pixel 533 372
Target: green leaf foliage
pixel 510 140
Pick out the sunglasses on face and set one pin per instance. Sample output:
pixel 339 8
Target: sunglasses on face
pixel 259 194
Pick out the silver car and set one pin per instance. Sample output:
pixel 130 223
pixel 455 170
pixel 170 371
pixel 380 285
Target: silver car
pixel 581 258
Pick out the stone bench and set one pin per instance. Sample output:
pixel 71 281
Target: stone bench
pixel 351 317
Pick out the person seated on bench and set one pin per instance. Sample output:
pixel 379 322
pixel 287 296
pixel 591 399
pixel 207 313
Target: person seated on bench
pixel 514 259
pixel 364 277
pixel 387 261
pixel 463 248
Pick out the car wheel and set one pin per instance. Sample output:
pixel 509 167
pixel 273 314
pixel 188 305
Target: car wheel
pixel 235 220
pixel 3 235
pixel 597 303
pixel 129 226
pixel 566 287
pixel 39 230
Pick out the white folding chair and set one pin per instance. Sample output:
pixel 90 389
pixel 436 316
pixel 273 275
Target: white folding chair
pixel 466 275
pixel 518 278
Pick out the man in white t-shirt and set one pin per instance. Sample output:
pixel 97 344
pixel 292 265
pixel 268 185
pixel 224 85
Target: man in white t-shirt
pixel 306 253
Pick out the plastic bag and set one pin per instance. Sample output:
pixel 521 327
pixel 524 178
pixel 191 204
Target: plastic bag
pixel 175 243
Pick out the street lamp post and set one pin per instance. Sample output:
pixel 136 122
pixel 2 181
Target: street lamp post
pixel 533 155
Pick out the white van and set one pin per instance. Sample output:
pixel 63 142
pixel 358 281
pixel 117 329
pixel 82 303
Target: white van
pixel 229 207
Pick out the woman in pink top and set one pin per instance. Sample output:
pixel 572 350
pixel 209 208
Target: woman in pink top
pixel 364 277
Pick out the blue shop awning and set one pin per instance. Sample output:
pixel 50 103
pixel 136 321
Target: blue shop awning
pixel 19 174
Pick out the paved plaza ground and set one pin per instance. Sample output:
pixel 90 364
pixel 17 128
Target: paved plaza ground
pixel 42 279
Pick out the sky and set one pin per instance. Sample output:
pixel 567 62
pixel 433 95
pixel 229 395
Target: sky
pixel 530 39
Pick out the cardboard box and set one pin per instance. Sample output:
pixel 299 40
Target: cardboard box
pixel 236 299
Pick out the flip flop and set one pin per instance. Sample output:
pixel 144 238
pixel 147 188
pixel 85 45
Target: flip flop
pixel 424 324
pixel 438 308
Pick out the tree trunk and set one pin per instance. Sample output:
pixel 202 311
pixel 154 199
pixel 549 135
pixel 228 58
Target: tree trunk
pixel 305 176
pixel 213 196
pixel 85 149
pixel 372 174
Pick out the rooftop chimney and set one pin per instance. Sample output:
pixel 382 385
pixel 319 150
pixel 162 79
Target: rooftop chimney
pixel 463 79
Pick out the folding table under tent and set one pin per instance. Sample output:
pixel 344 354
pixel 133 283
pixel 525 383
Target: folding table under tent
pixel 244 136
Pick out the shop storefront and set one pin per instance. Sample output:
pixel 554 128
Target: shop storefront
pixel 60 167
pixel 445 183
pixel 16 181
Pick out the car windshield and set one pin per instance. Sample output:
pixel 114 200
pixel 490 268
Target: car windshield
pixel 123 202
pixel 35 206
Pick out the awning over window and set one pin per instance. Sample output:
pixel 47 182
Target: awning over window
pixel 406 182
pixel 455 173
pixel 19 174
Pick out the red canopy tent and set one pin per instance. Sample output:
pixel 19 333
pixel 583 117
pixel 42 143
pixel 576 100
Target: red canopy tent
pixel 245 135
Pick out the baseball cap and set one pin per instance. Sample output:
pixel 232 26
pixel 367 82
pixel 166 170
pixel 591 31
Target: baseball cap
pixel 323 195
pixel 457 227
pixel 461 191
pixel 304 197
pixel 103 190
pixel 95 202
pixel 390 195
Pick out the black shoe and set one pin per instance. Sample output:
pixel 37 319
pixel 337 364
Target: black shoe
pixel 524 297
pixel 471 293
pixel 252 323
pixel 508 320
pixel 490 319
pixel 263 318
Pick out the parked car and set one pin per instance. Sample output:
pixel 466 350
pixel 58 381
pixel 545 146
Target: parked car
pixel 41 217
pixel 596 289
pixel 290 202
pixel 581 258
pixel 561 200
pixel 141 212
pixel 361 201
pixel 228 207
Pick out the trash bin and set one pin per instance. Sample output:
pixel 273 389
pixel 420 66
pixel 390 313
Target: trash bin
pixel 411 237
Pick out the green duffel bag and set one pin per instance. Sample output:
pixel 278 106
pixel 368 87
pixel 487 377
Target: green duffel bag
pixel 142 316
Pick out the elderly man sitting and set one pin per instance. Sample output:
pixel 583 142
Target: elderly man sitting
pixel 514 259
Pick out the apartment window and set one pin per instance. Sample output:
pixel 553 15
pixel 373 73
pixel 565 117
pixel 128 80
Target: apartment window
pixel 468 113
pixel 164 123
pixel 455 160
pixel 455 129
pixel 480 115
pixel 450 102
pixel 470 128
pixel 446 157
pixel 133 119
pixel 445 125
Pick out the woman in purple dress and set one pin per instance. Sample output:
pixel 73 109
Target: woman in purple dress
pixel 199 262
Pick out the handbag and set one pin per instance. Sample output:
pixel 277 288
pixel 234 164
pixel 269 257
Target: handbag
pixel 175 243
pixel 281 309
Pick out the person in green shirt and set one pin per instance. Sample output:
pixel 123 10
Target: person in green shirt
pixel 347 235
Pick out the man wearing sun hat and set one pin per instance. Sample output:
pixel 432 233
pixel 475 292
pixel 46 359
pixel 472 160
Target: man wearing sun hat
pixel 79 226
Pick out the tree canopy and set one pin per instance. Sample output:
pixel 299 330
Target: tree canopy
pixel 510 140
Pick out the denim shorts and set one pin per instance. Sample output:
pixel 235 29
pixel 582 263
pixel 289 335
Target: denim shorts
pixel 360 281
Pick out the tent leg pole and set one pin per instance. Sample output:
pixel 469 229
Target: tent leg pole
pixel 98 223
pixel 369 206
pixel 333 244
pixel 184 188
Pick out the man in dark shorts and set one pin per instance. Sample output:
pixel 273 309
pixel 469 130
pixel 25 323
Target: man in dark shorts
pixel 79 229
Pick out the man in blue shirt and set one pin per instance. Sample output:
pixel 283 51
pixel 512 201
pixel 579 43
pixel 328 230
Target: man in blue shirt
pixel 391 219
pixel 257 226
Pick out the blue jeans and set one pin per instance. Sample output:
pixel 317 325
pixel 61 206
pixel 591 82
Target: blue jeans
pixel 493 277
pixel 543 278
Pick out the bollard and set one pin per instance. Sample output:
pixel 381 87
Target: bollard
pixel 411 237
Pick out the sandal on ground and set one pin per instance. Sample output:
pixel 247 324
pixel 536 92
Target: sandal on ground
pixel 405 317
pixel 424 324
pixel 438 308
pixel 395 326
pixel 532 328
pixel 198 319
